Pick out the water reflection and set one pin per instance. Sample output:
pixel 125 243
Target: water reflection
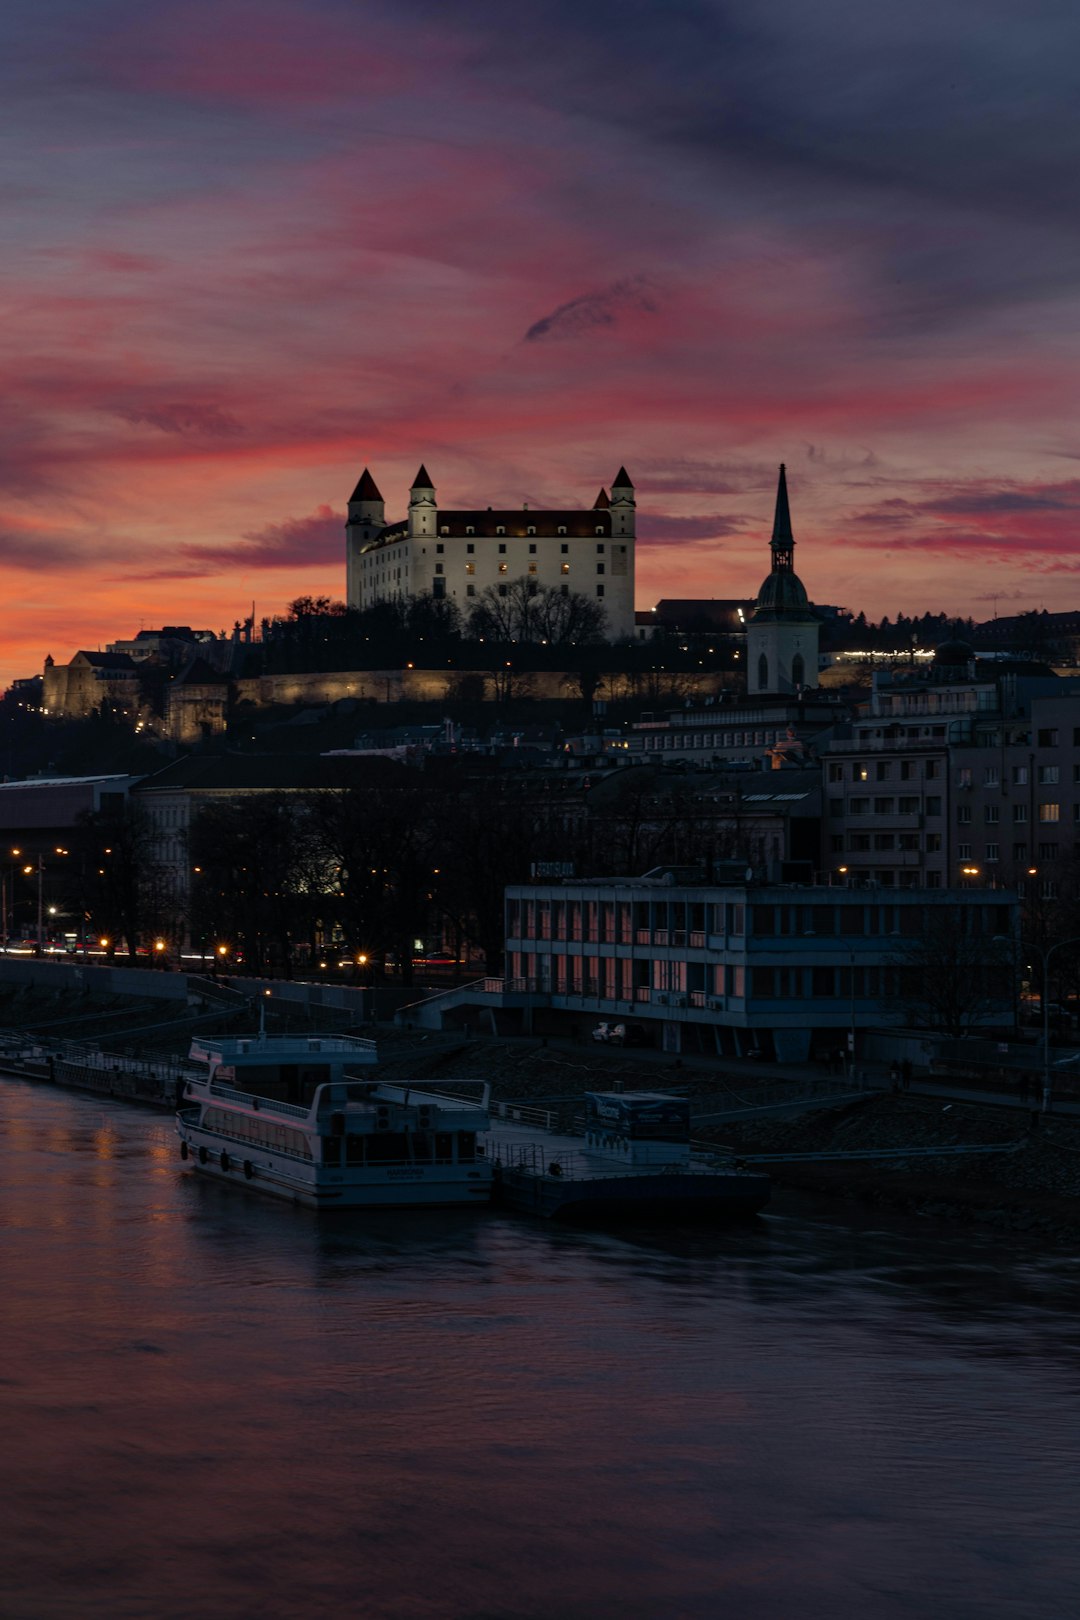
pixel 221 1406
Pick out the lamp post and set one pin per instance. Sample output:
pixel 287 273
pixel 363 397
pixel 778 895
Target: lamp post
pixel 1046 955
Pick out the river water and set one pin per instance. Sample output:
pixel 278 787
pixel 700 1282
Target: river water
pixel 214 1406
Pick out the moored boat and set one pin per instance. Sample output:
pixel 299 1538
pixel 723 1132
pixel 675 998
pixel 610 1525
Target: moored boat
pixel 285 1116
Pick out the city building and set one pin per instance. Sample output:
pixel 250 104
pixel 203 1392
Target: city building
pixel 964 772
pixel 74 690
pixel 738 968
pixel 456 555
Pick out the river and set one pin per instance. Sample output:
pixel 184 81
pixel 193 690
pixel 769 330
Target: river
pixel 214 1406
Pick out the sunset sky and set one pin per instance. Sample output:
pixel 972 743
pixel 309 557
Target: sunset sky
pixel 252 245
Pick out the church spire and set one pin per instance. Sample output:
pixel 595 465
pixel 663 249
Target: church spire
pixel 783 541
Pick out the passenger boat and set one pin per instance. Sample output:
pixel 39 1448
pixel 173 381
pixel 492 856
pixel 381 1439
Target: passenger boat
pixel 284 1116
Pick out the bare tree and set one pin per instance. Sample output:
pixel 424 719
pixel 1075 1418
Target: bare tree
pixel 950 977
pixel 523 610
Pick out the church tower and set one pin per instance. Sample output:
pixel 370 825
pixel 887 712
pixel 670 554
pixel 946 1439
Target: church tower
pixel 782 636
pixel 366 521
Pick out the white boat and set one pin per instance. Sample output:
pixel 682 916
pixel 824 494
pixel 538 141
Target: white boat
pixel 282 1115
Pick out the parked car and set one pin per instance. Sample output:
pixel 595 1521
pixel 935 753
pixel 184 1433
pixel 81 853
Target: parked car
pixel 621 1034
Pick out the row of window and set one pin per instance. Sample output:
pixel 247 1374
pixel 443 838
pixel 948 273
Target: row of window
pixel 470 550
pixel 882 770
pixel 258 1132
pixel 908 770
pixel 504 568
pixel 605 922
pixel 500 528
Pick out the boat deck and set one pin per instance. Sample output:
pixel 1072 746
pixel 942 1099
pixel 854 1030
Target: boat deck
pixel 532 1148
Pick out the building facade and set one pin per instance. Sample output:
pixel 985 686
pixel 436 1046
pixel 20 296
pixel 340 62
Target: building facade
pixel 456 555
pixel 736 968
pixel 957 774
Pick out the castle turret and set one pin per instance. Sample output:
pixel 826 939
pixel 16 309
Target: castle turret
pixel 366 504
pixel 365 522
pixel 423 512
pixel 623 505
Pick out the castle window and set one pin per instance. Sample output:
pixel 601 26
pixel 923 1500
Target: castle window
pixel 470 568
pixel 499 529
pixel 441 548
pixel 501 548
pixel 532 549
pixel 532 568
pixel 599 531
pixel 563 549
pixel 470 590
pixel 599 590
pixel 798 670
pixel 762 673
pixel 531 531
pixel 443 530
pixel 438 568
pixel 562 530
pixel 599 549
pixel 502 590
pixel 566 568
pixel 469 549
pixel 502 568
pixel 599 568
pixel 564 590
pixel 470 530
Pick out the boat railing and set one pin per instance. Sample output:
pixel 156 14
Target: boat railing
pixel 269 1104
pixel 523 1114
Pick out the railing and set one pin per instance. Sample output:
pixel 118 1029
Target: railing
pixel 524 1114
pixel 269 1104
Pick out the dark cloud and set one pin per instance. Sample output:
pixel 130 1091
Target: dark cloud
pixel 658 529
pixel 315 541
pixel 41 553
pixel 596 310
pixel 185 418
pixel 1006 500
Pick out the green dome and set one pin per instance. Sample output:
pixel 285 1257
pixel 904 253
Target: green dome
pixel 782 595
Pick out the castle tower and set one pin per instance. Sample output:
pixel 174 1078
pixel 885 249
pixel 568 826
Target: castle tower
pixel 623 505
pixel 365 522
pixel 782 636
pixel 423 512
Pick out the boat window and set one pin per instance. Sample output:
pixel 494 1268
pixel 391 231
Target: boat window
pixel 354 1150
pixel 444 1147
pixel 387 1147
pixel 466 1151
pixel 331 1150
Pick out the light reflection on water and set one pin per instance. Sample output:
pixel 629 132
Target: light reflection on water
pixel 213 1405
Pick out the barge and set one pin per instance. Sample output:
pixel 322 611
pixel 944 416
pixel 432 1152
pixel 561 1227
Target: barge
pixel 635 1162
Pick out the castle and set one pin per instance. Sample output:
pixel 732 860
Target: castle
pixel 457 555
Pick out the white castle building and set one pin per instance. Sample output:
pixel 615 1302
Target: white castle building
pixel 456 555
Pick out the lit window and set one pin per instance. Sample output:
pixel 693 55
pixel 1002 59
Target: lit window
pixel 566 568
pixel 470 568
pixel 1049 812
pixel 502 568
